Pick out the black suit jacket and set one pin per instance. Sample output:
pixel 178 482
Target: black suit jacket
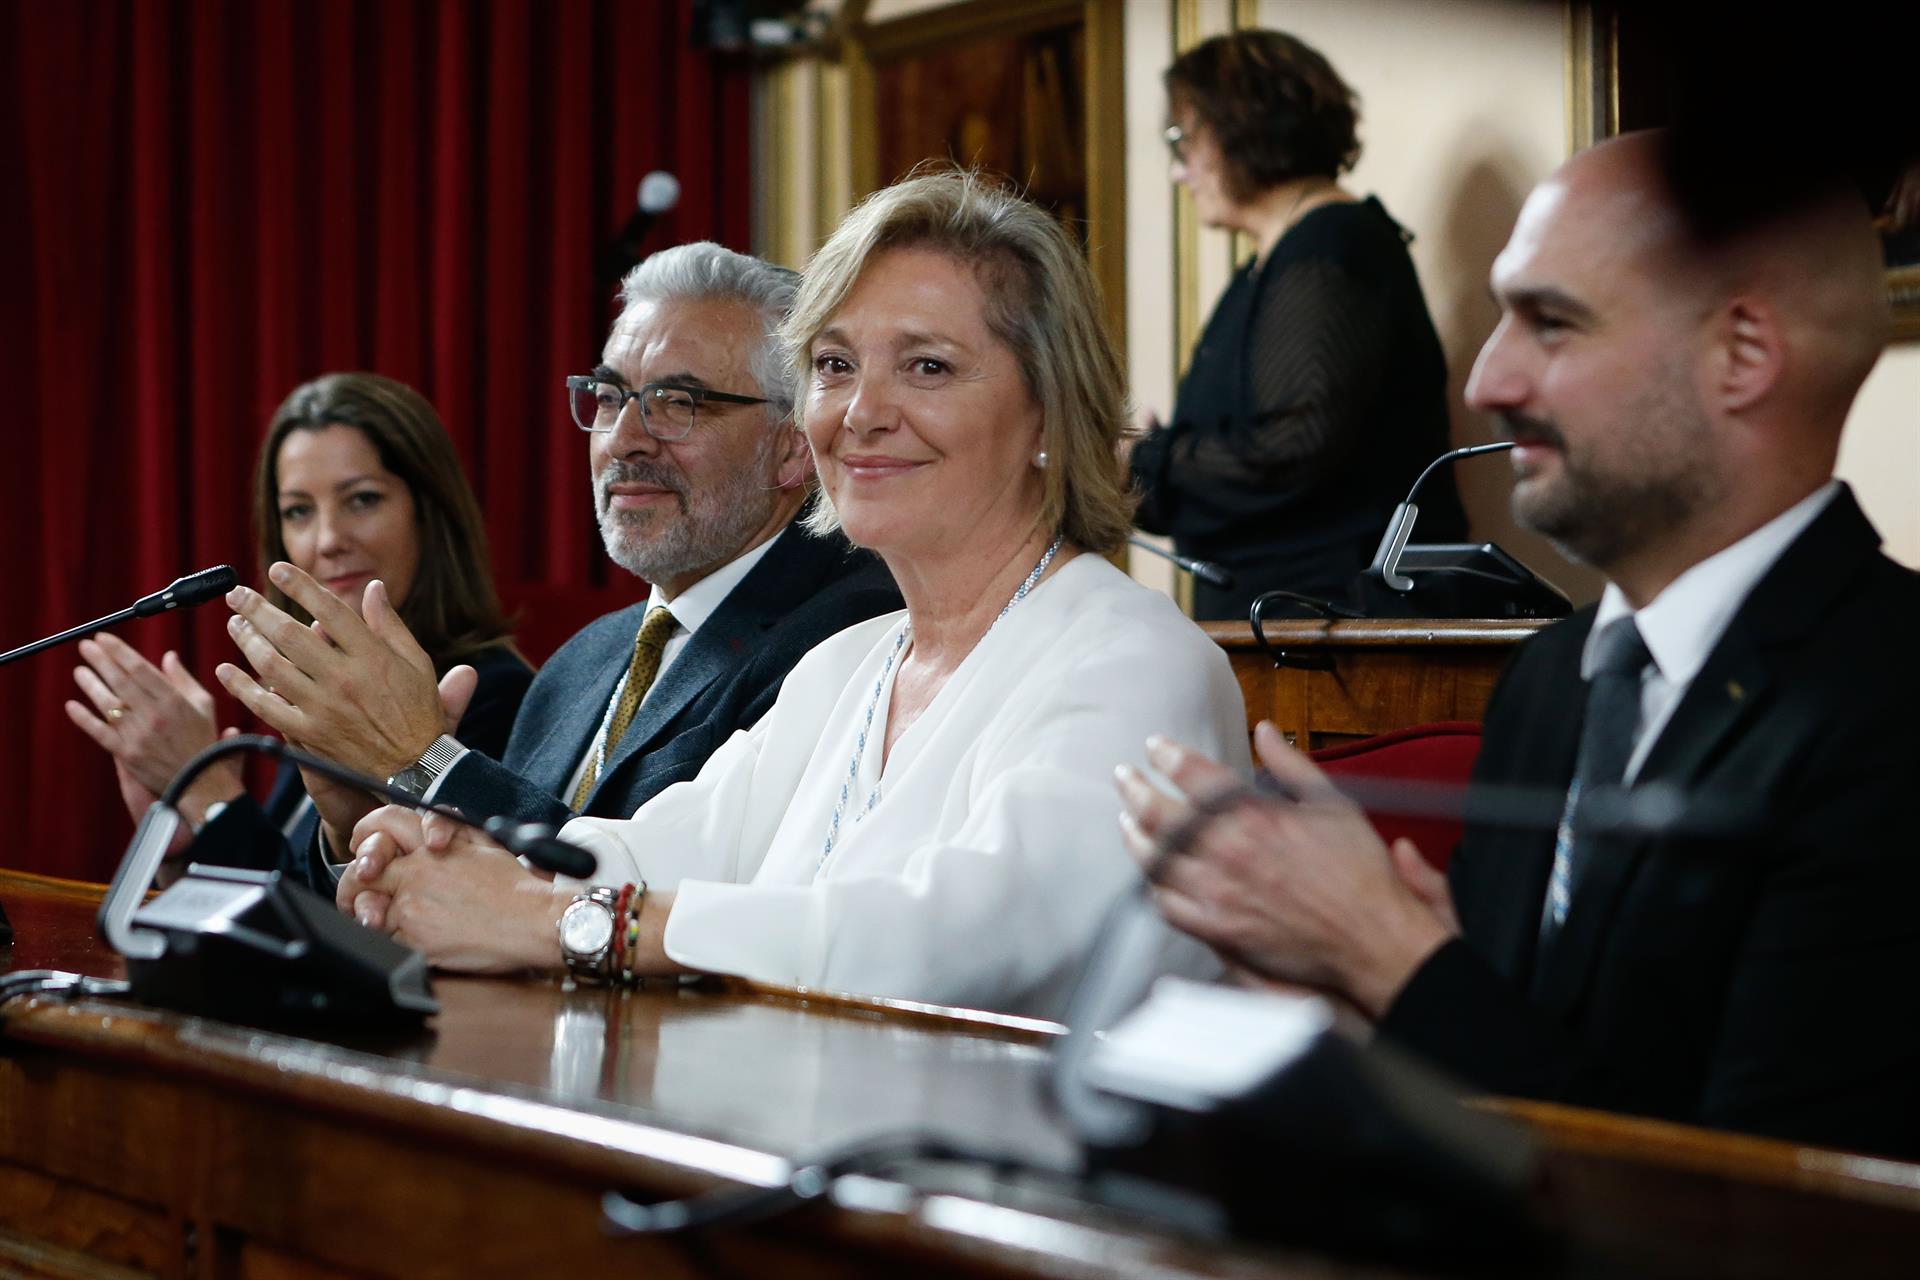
pixel 804 589
pixel 1769 983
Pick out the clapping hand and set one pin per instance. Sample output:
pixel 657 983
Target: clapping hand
pixel 1296 887
pixel 152 720
pixel 359 692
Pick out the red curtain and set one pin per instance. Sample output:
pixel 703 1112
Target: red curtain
pixel 215 200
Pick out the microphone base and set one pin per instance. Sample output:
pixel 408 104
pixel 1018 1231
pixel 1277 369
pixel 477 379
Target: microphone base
pixel 255 947
pixel 1460 580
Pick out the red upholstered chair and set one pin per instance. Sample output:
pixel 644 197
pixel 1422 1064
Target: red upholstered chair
pixel 1434 753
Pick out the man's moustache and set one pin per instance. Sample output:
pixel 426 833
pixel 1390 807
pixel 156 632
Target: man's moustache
pixel 1524 430
pixel 639 473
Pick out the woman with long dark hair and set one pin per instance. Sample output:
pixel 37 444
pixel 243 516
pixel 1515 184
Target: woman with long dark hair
pixel 357 483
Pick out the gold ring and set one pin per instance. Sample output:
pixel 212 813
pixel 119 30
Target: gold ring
pixel 114 714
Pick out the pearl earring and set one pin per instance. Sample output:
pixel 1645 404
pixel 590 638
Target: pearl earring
pixel 1040 459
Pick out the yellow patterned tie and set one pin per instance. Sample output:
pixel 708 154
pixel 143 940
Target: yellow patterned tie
pixel 647 648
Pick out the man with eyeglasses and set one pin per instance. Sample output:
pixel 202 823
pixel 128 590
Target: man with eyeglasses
pixel 699 478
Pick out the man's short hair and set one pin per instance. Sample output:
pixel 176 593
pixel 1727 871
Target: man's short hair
pixel 708 270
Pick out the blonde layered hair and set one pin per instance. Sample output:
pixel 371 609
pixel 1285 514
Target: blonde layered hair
pixel 1041 302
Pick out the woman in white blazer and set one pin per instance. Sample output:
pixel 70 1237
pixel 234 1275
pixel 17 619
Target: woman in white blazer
pixel 926 812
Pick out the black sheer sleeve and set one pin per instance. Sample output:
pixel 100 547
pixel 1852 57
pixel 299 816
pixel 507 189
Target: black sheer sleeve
pixel 1317 367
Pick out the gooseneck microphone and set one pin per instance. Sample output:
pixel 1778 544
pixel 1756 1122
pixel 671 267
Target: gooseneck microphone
pixel 248 945
pixel 538 843
pixel 184 593
pixel 658 193
pixel 1205 570
pixel 656 197
pixel 254 945
pixel 1386 560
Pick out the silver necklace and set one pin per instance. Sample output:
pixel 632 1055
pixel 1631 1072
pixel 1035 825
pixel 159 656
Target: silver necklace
pixel 873 706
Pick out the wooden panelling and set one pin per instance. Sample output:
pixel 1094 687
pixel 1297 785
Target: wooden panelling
pixel 1346 680
pixel 50 1216
pixel 24 1257
pixel 72 1123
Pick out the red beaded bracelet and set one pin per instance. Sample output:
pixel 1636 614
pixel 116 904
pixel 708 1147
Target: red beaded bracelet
pixel 633 934
pixel 620 963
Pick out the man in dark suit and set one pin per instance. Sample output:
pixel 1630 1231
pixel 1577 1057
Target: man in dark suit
pixel 700 485
pixel 1677 395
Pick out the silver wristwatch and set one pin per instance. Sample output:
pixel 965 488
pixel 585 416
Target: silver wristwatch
pixel 586 933
pixel 419 776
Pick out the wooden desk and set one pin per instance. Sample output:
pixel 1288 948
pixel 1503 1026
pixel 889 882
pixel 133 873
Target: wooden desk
pixel 1348 680
pixel 137 1142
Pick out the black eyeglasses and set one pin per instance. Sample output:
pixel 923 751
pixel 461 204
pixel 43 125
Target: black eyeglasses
pixel 667 411
pixel 1176 142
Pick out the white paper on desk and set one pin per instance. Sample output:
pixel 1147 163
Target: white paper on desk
pixel 1192 1045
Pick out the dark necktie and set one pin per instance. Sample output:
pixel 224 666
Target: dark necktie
pixel 648 644
pixel 1607 735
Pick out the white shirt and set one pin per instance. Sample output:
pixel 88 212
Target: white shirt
pixel 981 874
pixel 692 607
pixel 1683 623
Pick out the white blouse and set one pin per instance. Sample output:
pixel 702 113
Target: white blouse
pixel 979 876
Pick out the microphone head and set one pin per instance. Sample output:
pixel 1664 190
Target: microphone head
pixel 540 844
pixel 195 588
pixel 1212 574
pixel 659 192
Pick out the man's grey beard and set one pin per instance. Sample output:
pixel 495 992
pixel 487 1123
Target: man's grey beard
pixel 707 529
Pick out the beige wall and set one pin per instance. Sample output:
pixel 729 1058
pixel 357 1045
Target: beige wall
pixel 1151 275
pixel 1880 452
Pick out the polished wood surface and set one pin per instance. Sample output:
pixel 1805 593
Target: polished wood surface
pixel 1346 680
pixel 137 1141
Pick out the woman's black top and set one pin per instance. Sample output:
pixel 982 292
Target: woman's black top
pixel 1315 397
pixel 279 835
